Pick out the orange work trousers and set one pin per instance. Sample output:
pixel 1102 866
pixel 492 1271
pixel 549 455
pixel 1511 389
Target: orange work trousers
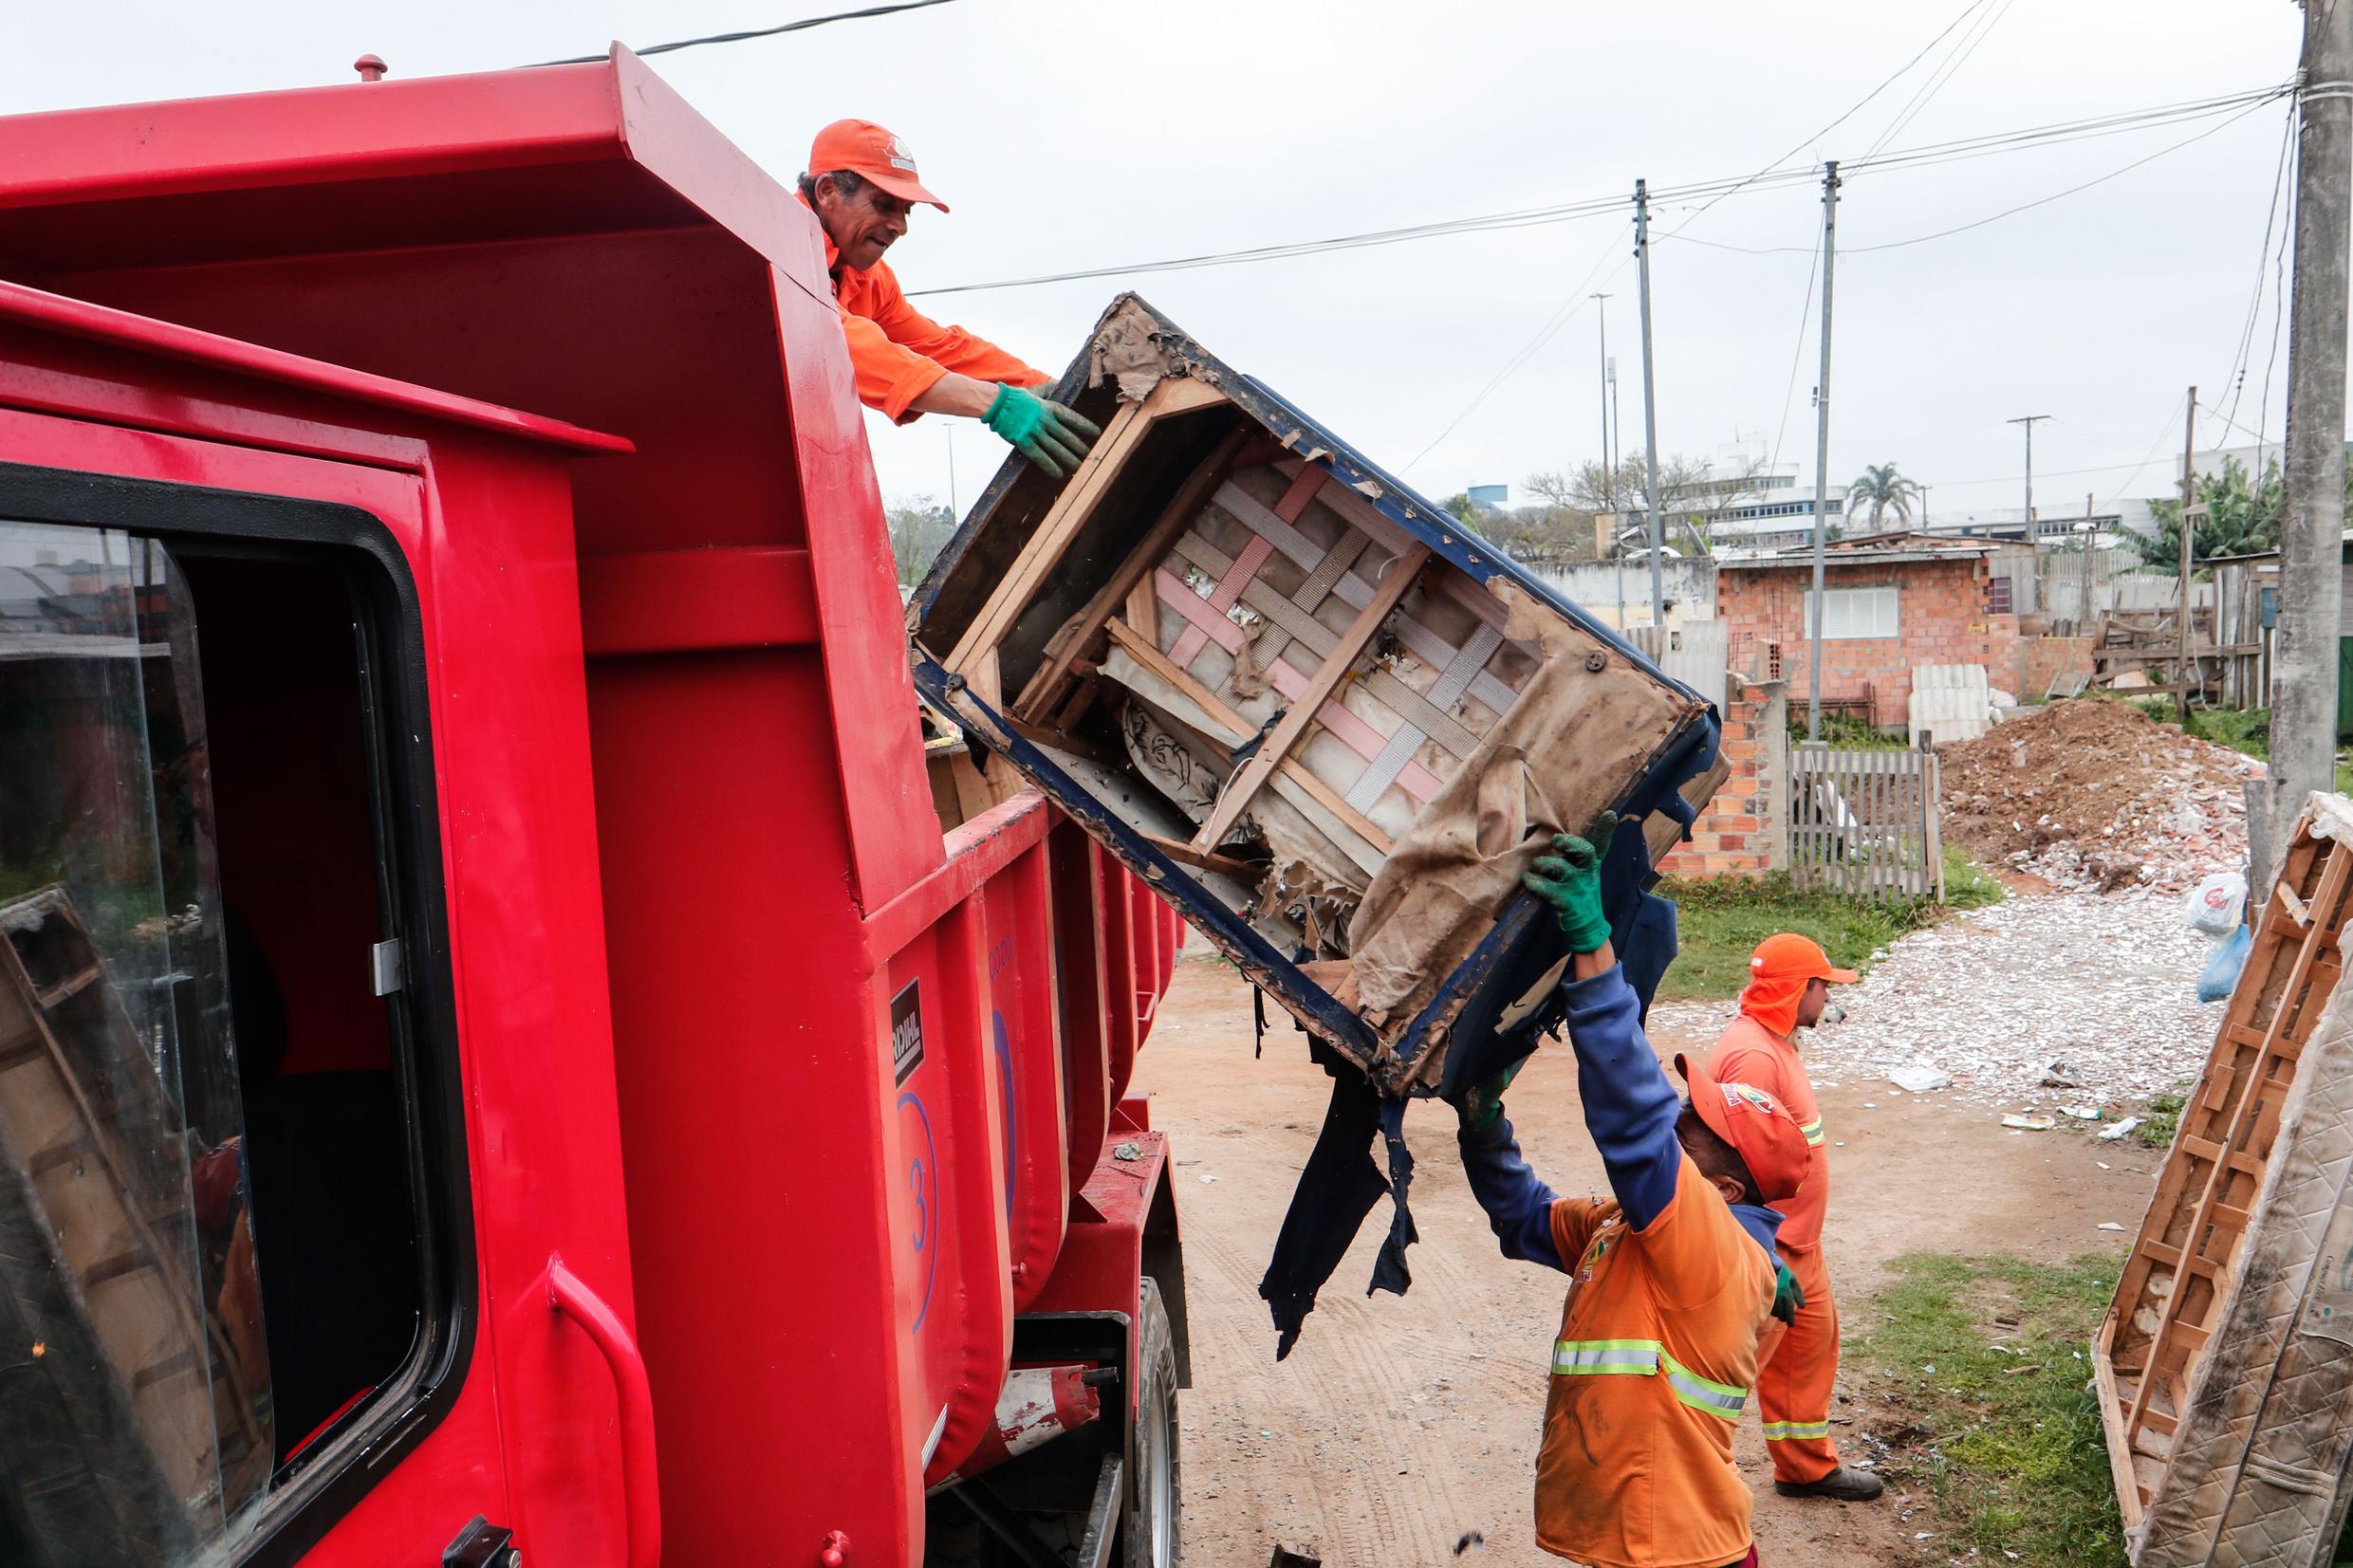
pixel 1798 1371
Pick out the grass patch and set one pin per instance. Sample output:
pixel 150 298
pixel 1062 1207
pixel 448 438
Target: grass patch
pixel 1721 920
pixel 2008 1439
pixel 2160 1121
pixel 2243 730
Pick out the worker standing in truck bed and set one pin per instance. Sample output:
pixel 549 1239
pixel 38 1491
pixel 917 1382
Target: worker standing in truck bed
pixel 1789 980
pixel 861 185
pixel 1672 1283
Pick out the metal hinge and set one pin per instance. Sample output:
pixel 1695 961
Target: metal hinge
pixel 388 965
pixel 482 1545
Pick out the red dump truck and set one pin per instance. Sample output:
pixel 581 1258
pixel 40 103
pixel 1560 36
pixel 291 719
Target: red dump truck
pixel 520 1039
pixel 508 1051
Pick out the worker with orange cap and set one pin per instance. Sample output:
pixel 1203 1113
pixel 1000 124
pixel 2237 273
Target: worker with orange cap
pixel 861 185
pixel 1789 980
pixel 1671 1282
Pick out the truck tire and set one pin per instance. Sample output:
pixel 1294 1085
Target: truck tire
pixel 1150 1528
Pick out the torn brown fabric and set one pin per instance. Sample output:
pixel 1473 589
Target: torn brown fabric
pixel 1571 747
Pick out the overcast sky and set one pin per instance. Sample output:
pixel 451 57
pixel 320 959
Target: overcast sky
pixel 1070 135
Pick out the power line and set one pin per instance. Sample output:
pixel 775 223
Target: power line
pixel 1812 140
pixel 1937 78
pixel 1527 351
pixel 1797 355
pixel 802 26
pixel 2263 263
pixel 1922 156
pixel 2007 212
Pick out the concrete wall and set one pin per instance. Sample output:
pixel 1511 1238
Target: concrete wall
pixel 1689 582
pixel 1744 830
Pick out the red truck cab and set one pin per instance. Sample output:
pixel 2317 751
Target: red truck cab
pixel 535 1067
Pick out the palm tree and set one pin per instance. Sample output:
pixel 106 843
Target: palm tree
pixel 1883 490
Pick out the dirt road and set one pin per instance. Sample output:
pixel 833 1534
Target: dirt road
pixel 1401 1426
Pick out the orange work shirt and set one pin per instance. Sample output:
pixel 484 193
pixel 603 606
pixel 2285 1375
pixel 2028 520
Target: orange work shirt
pixel 1751 1052
pixel 1657 1353
pixel 899 352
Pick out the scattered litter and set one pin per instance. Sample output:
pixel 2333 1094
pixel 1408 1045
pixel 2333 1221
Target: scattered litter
pixel 2020 1372
pixel 1471 1538
pixel 2104 1165
pixel 1127 1152
pixel 1921 1077
pixel 2110 1225
pixel 1207 1178
pixel 2029 1124
pixel 2081 1113
pixel 1872 1104
pixel 2117 1130
pixel 2059 1074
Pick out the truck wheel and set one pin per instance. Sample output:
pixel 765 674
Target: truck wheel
pixel 1150 1530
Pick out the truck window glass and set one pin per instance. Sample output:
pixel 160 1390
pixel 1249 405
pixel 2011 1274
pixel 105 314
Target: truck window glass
pixel 208 1246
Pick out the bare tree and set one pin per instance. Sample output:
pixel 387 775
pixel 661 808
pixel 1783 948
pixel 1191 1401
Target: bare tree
pixel 1694 491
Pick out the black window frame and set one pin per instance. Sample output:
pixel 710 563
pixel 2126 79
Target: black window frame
pixel 313 1492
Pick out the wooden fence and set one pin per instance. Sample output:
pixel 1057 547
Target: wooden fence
pixel 1864 823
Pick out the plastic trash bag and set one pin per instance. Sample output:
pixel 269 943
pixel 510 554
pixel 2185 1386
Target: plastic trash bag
pixel 2213 905
pixel 2221 975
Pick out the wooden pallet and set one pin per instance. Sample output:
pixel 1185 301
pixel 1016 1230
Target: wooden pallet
pixel 137 1404
pixel 2187 1261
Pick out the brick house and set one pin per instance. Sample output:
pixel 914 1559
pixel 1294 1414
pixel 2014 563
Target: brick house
pixel 1895 601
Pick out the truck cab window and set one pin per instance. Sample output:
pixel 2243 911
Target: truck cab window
pixel 210 1252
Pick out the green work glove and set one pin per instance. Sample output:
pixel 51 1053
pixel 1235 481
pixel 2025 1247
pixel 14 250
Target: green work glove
pixel 1570 881
pixel 1479 1105
pixel 1787 1294
pixel 1053 436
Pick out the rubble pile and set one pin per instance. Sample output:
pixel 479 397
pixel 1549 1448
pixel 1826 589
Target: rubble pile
pixel 2044 1005
pixel 2095 796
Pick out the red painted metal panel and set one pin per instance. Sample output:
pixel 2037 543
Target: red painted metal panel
pixel 814 1239
pixel 1027 1047
pixel 1079 963
pixel 511 744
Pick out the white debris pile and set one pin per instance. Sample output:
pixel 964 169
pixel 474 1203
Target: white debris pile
pixel 2045 1005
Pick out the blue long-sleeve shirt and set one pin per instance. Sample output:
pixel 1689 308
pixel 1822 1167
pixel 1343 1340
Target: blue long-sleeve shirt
pixel 1630 1110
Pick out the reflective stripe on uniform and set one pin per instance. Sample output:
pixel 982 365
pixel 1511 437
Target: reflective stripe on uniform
pixel 1585 1358
pixel 1641 1357
pixel 1703 1394
pixel 1813 1132
pixel 1795 1432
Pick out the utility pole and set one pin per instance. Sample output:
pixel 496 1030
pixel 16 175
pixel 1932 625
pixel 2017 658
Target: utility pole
pixel 1650 417
pixel 2091 531
pixel 2188 541
pixel 2304 705
pixel 2028 420
pixel 1609 471
pixel 1822 459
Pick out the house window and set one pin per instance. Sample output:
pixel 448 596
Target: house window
pixel 215 1070
pixel 1855 613
pixel 1997 597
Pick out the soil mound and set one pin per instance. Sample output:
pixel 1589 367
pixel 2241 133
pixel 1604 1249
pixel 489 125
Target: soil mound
pixel 2097 795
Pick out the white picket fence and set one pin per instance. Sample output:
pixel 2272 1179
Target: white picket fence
pixel 1866 822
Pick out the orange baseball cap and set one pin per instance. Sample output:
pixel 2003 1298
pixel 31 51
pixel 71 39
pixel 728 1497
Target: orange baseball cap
pixel 1785 955
pixel 871 152
pixel 1767 1137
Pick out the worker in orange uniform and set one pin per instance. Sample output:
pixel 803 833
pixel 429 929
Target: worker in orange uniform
pixel 1672 1283
pixel 1789 989
pixel 861 185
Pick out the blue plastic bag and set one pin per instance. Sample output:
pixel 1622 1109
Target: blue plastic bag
pixel 2221 974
